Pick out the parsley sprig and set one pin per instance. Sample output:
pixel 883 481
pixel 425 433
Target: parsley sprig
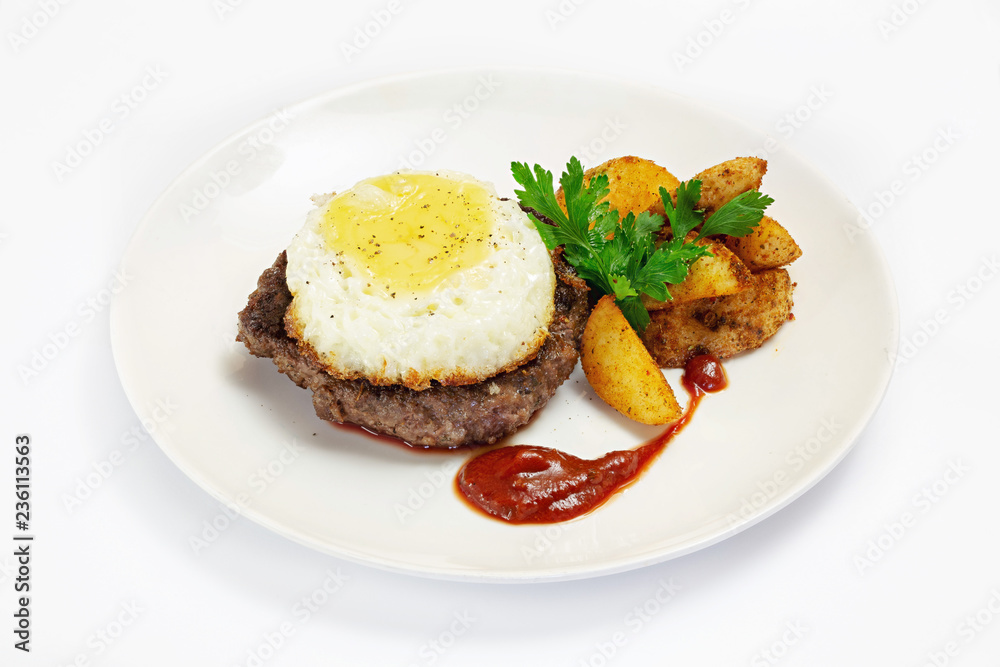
pixel 618 255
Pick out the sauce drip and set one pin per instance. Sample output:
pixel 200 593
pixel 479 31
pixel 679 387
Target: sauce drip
pixel 531 484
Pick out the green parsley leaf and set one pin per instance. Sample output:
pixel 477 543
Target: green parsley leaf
pixel 622 287
pixel 620 256
pixel 683 217
pixel 738 216
pixel 635 312
pixel 541 196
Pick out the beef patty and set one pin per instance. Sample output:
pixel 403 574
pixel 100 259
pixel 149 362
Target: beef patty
pixel 439 416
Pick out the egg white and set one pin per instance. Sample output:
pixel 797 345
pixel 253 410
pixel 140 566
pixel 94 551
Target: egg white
pixel 483 319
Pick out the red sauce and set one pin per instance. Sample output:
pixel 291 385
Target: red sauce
pixel 530 484
pixel 704 372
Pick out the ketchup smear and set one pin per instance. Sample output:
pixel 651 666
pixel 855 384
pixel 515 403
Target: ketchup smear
pixel 530 484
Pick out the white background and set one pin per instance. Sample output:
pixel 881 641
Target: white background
pixel 892 559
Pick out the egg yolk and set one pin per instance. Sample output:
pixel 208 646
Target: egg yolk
pixel 410 231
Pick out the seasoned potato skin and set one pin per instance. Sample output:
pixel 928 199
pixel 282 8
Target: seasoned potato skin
pixel 722 326
pixel 633 182
pixel 728 179
pixel 720 274
pixel 621 370
pixel 768 246
pixel 730 302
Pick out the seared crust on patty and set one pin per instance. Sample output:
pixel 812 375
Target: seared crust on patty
pixel 439 416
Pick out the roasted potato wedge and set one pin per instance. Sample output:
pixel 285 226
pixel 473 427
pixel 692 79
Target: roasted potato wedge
pixel 633 183
pixel 621 370
pixel 768 246
pixel 725 326
pixel 730 302
pixel 728 179
pixel 719 275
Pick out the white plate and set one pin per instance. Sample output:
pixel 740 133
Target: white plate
pixel 793 409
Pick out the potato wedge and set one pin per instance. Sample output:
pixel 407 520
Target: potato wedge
pixel 728 179
pixel 768 246
pixel 725 326
pixel 633 183
pixel 719 275
pixel 621 370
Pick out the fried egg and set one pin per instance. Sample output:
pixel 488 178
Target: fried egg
pixel 414 277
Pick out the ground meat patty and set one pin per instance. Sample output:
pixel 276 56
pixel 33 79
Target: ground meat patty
pixel 440 416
